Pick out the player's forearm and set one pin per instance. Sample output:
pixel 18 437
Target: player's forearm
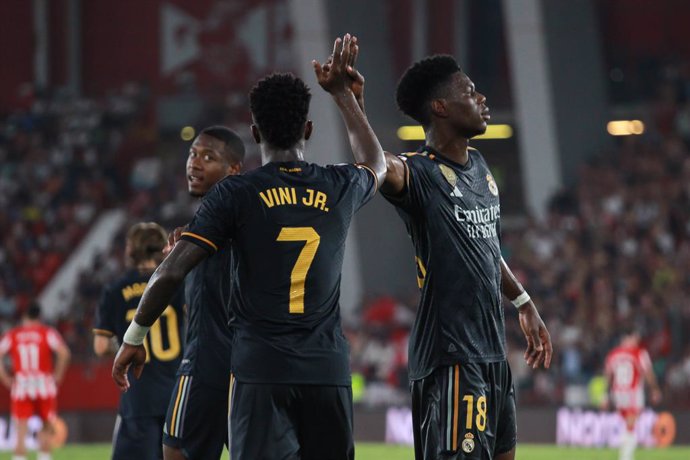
pixel 5 377
pixel 160 288
pixel 365 145
pixel 166 280
pixel 63 360
pixel 652 381
pixel 510 286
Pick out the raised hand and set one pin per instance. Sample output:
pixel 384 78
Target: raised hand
pixel 356 78
pixel 173 237
pixel 333 76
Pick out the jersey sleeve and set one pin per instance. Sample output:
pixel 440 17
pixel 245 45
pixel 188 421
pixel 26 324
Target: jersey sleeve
pixel 105 314
pixel 416 186
pixel 213 225
pixel 54 339
pixel 362 179
pixel 6 343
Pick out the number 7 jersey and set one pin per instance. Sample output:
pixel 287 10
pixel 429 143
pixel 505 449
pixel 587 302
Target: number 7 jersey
pixel 288 223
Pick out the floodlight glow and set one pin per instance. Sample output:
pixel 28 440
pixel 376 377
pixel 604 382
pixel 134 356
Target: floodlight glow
pixel 625 127
pixel 187 133
pixel 416 133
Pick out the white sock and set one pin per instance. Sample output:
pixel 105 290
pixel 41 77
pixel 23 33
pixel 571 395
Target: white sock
pixel 628 444
pixel 44 456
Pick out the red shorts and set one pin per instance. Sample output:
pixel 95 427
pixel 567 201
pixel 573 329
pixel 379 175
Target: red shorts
pixel 46 408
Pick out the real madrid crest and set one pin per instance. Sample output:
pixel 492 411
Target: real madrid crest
pixel 493 188
pixel 449 175
pixel 468 443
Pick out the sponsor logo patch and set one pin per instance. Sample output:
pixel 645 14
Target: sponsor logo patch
pixel 493 188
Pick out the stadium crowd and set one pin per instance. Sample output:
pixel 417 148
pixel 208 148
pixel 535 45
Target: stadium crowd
pixel 58 169
pixel 614 248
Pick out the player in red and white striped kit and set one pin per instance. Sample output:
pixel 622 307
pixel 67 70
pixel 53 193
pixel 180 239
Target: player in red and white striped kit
pixel 626 367
pixel 33 382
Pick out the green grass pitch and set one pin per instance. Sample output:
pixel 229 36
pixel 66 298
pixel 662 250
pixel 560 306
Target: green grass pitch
pixel 386 452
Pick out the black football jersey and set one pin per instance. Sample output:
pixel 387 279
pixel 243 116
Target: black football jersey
pixel 288 222
pixel 452 213
pixel 149 395
pixel 208 293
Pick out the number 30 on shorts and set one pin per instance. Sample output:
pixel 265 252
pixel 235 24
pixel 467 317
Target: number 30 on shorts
pixel 480 419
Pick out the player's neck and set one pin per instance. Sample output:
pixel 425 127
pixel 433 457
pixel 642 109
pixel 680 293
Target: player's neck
pixel 270 154
pixel 452 147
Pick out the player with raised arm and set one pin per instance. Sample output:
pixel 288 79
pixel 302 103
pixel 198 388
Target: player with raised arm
pixel 288 220
pixel 197 414
pixel 463 403
pixel 139 427
pixel 627 368
pixel 33 382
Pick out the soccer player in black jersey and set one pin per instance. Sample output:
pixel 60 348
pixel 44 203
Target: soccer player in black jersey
pixel 195 425
pixel 463 402
pixel 288 220
pixel 139 427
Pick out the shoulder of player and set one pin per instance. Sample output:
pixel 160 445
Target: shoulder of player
pixel 418 160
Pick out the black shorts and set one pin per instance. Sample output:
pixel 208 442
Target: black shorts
pixel 307 422
pixel 138 437
pixel 464 411
pixel 197 419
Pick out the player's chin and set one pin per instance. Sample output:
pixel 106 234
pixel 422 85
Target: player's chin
pixel 479 129
pixel 196 190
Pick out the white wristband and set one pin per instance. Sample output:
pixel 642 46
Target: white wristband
pixel 521 299
pixel 135 334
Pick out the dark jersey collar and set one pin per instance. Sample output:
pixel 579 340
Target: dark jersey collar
pixel 432 151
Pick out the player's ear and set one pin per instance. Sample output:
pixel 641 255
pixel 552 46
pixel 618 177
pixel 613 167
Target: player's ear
pixel 308 129
pixel 233 169
pixel 438 108
pixel 256 134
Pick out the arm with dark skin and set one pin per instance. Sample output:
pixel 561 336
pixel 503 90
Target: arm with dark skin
pixel 334 78
pixel 539 347
pixel 395 168
pixel 161 287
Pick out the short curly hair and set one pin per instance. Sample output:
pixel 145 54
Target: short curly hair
pixel 422 82
pixel 234 147
pixel 280 105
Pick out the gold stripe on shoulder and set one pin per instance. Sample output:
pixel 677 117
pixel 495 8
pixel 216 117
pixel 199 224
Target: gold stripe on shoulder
pixel 200 238
pixel 104 332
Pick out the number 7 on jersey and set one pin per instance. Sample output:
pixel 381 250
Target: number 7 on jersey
pixel 303 263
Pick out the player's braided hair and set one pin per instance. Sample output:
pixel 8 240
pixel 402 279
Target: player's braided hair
pixel 280 104
pixel 146 242
pixel 234 147
pixel 422 82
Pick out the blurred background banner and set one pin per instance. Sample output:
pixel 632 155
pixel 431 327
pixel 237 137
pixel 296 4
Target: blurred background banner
pixel 588 143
